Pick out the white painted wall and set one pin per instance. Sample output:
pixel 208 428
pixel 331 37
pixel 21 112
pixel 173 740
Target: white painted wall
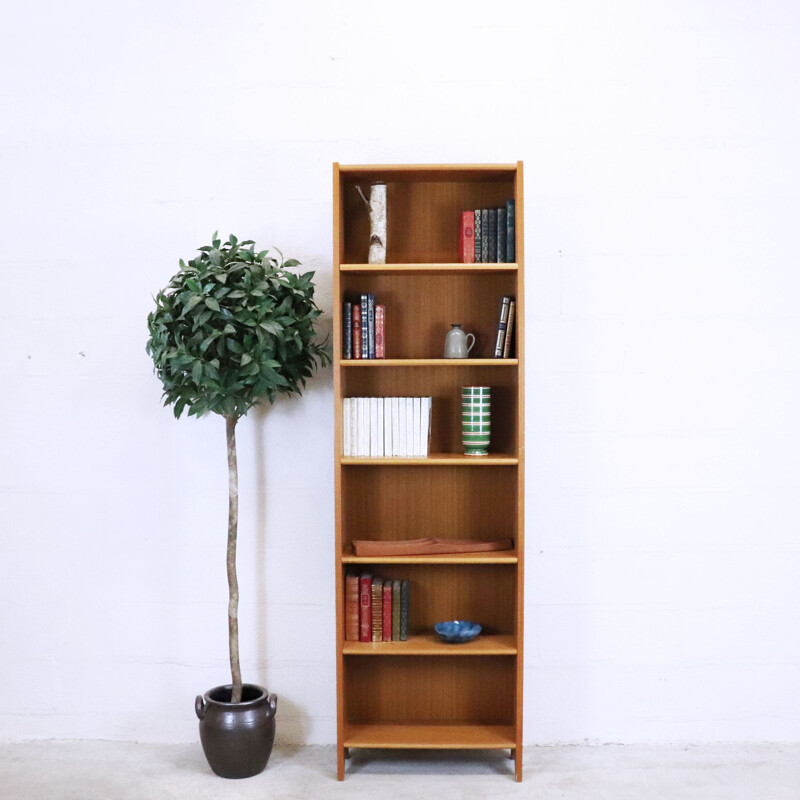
pixel 660 143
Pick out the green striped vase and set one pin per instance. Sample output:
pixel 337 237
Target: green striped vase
pixel 476 417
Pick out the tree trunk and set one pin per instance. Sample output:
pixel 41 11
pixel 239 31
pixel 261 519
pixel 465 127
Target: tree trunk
pixel 233 583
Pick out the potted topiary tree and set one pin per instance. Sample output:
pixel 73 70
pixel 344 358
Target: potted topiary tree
pixel 232 327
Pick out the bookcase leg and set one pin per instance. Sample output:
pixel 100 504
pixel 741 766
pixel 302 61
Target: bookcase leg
pixel 341 754
pixel 347 752
pixel 518 764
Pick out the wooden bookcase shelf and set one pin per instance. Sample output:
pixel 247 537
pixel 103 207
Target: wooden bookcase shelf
pixel 430 736
pixel 422 693
pixel 429 644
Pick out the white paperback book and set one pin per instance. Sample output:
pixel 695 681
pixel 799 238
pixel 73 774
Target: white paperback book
pixel 401 446
pixel 381 451
pixel 424 426
pixel 428 416
pixel 416 413
pixel 363 427
pixel 353 426
pixel 395 426
pixel 387 427
pixel 373 427
pixel 346 426
pixel 409 427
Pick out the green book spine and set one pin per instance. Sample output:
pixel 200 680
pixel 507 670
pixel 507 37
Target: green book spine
pixel 396 610
pixel 405 590
pixel 511 232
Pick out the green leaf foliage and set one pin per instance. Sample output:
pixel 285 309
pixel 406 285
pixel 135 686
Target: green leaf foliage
pixel 233 326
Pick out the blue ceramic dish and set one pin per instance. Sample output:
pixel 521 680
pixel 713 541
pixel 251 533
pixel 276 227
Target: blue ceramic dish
pixel 457 631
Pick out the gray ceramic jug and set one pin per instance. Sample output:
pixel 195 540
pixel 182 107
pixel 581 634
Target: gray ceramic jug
pixel 457 343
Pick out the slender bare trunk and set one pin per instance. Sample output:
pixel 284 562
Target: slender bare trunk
pixel 233 583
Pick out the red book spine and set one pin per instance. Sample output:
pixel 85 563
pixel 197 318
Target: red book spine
pixel 356 330
pixel 380 331
pixel 467 237
pixel 351 618
pixel 387 611
pixel 365 607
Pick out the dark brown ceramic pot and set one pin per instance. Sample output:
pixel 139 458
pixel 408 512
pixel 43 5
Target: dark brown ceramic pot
pixel 237 737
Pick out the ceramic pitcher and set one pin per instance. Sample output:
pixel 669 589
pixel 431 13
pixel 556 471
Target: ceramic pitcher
pixel 457 344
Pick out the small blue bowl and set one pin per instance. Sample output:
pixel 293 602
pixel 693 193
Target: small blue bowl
pixel 457 631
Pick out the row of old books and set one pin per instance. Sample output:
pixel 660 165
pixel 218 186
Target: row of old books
pixel 364 328
pixel 375 609
pixel 386 427
pixel 488 235
pixel 505 327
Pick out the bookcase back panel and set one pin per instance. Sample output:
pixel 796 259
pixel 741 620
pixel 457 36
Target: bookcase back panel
pixel 444 384
pixel 484 594
pixel 423 219
pixel 421 309
pixel 421 689
pixel 398 502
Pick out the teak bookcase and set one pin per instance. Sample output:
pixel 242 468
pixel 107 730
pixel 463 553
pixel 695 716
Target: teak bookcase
pixel 422 693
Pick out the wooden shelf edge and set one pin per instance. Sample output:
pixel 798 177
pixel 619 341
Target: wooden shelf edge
pixel 428 644
pixel 436 459
pixel 428 362
pixel 430 267
pixel 489 557
pixel 433 736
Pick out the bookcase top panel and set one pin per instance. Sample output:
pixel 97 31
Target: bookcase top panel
pixel 427 172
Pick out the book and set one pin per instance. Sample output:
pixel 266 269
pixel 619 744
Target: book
pixel 362 427
pixel 405 590
pixel 396 610
pixel 364 326
pixel 427 412
pixel 356 314
pixel 365 607
pixel 352 448
pixel 491 235
pixel 396 444
pixel 346 403
pixel 509 328
pixel 380 331
pixel 351 618
pixel 372 427
pixel 380 451
pixel 484 235
pixel 467 237
pixel 502 232
pixel 387 611
pixel 377 609
pixel 511 233
pixel 402 451
pixel 370 325
pixel 387 427
pixel 502 324
pixel 347 330
pixel 416 436
pixel 408 402
pixel 478 235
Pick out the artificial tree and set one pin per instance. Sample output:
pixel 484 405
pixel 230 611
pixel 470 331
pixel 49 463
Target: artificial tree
pixel 232 327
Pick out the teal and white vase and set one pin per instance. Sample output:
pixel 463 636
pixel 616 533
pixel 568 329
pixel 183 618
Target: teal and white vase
pixel 476 417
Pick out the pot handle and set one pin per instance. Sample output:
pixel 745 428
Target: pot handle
pixel 272 700
pixel 200 706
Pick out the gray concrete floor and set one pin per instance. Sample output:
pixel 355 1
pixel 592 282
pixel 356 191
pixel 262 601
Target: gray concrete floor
pixel 124 771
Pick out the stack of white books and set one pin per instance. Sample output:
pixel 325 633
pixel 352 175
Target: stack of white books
pixel 386 427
